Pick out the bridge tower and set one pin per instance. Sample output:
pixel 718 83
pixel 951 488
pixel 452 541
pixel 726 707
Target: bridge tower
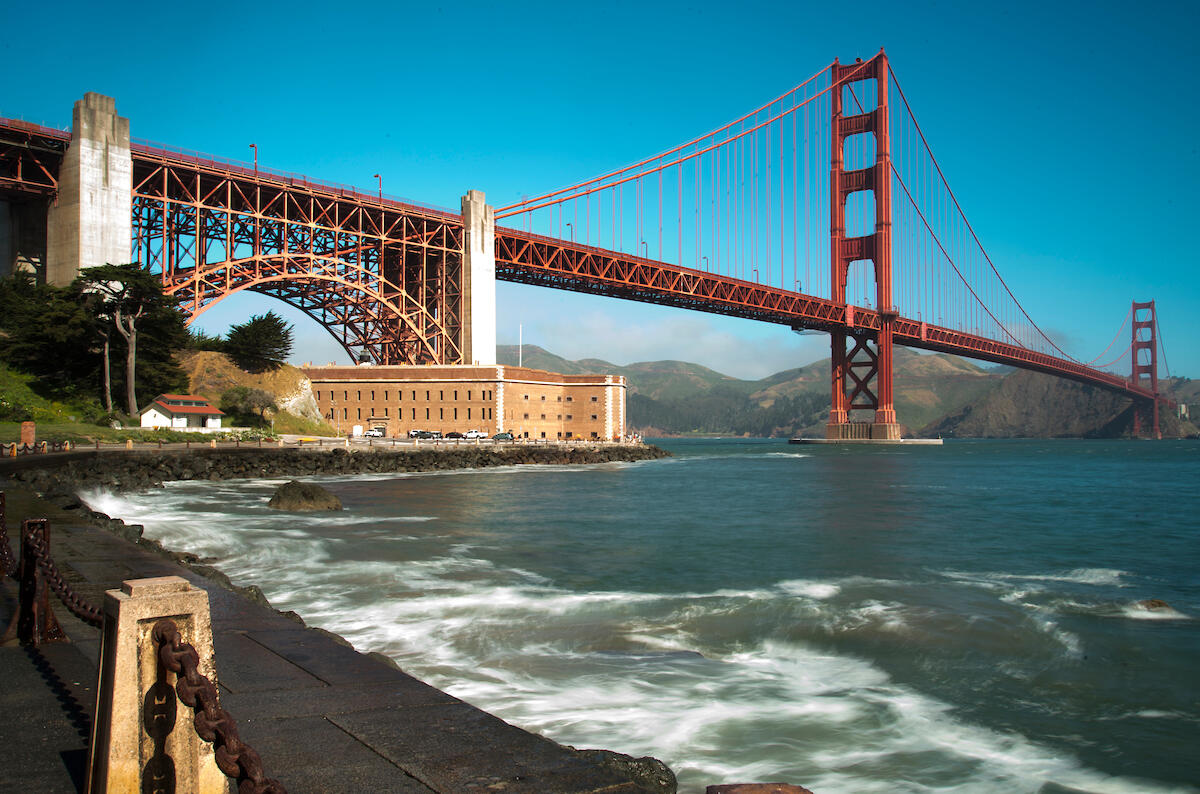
pixel 866 365
pixel 1145 341
pixel 90 222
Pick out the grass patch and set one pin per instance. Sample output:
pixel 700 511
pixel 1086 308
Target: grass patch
pixel 290 423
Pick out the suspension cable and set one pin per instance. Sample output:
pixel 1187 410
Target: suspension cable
pixel 963 215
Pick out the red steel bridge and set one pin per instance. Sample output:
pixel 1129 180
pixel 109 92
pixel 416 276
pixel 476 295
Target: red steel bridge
pixel 824 209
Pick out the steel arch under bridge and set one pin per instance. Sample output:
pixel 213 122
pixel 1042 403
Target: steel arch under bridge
pixel 384 278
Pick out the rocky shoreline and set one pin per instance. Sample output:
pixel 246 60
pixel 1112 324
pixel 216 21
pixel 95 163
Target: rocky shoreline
pixel 120 471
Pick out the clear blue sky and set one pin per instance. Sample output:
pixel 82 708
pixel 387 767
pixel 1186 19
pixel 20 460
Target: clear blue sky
pixel 1068 130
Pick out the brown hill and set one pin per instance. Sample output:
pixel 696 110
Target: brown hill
pixel 212 374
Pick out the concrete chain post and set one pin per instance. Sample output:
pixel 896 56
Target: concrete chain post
pixel 142 736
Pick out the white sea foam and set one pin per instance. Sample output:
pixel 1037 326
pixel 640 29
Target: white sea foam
pixel 1138 612
pixel 818 590
pixel 1094 576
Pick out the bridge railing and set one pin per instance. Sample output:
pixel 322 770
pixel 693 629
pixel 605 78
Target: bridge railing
pixel 291 178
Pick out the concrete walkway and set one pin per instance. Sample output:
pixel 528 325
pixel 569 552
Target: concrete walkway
pixel 324 717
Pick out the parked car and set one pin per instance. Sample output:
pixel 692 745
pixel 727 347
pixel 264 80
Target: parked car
pixel 475 434
pixel 415 433
pixel 503 437
pixel 376 432
pixel 428 434
pixel 454 434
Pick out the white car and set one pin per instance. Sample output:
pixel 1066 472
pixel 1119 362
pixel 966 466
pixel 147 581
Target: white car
pixel 375 432
pixel 475 434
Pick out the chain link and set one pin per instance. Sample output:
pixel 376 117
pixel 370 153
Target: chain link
pixel 8 562
pixel 81 609
pixel 213 723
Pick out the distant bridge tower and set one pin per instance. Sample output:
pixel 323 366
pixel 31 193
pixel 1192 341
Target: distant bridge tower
pixel 1143 350
pixel 867 370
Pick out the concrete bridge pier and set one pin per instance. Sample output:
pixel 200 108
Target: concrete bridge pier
pixel 90 221
pixel 478 281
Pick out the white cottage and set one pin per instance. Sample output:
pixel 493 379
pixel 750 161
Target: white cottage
pixel 181 411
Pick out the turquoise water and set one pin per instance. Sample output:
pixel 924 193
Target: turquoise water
pixel 956 618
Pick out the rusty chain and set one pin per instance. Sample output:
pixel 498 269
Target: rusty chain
pixel 36 448
pixel 214 724
pixel 8 562
pixel 36 542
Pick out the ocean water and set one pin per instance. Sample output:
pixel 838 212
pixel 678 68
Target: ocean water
pixel 953 619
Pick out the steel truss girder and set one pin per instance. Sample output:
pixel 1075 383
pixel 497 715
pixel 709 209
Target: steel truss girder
pixel 29 157
pixel 534 259
pixel 381 277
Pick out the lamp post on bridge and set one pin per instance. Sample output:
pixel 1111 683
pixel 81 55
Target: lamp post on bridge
pixel 377 176
pixel 254 146
pixel 646 249
pixel 572 228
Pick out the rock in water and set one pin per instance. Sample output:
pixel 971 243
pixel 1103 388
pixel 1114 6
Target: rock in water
pixel 296 495
pixel 1153 604
pixel 648 774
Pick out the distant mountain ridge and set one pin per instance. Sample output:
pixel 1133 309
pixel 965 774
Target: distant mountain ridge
pixel 935 394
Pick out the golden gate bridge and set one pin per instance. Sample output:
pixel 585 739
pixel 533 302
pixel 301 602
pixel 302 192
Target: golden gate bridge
pixel 824 209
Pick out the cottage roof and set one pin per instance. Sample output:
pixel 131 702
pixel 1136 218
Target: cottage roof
pixel 183 404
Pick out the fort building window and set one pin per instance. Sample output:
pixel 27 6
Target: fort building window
pixel 345 413
pixel 386 392
pixel 441 413
pixel 594 417
pixel 455 413
pixel 345 395
pixel 456 395
pixel 359 392
pixel 372 395
pixel 570 399
pixel 468 413
pixel 318 395
pixel 360 413
pixel 543 416
pixel 526 416
pixel 594 399
pixel 427 395
pixel 441 396
pixel 426 413
pixel 569 417
pixel 468 395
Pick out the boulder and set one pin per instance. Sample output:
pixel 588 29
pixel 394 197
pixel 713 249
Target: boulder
pixel 1153 604
pixel 648 774
pixel 297 495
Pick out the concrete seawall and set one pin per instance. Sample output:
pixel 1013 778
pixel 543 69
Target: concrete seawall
pixel 324 717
